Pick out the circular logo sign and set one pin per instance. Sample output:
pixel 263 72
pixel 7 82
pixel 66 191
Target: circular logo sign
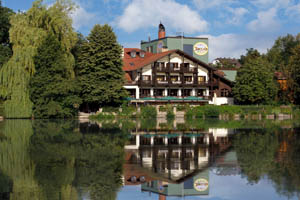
pixel 160 187
pixel 200 48
pixel 201 184
pixel 160 45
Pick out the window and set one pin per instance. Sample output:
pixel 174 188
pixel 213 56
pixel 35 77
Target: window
pixel 159 92
pixel 142 54
pixel 188 79
pixel 187 92
pixel 160 78
pixel 150 49
pixel 133 54
pixel 145 92
pixel 224 92
pixel 146 78
pixel 173 92
pixel 201 79
pixel 200 92
pixel 174 78
pixel 174 66
pixel 160 65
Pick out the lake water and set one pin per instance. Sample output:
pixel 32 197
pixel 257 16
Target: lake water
pixel 149 159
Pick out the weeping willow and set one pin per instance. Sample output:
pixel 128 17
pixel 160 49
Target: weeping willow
pixel 26 34
pixel 15 160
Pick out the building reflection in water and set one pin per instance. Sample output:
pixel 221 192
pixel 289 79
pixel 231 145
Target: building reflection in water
pixel 172 162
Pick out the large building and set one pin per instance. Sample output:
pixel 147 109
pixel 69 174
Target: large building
pixel 159 75
pixel 194 46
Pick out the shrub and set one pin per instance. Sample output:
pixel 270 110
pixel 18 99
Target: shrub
pixel 110 109
pixel 189 114
pixel 182 107
pixel 148 112
pixel 162 109
pixel 211 111
pixel 102 116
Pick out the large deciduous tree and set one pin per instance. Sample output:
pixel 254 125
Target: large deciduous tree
pixel 254 82
pixel 27 32
pixel 52 89
pixel 294 66
pixel 99 69
pixel 5 47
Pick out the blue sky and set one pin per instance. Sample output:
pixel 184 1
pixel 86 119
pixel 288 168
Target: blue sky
pixel 231 25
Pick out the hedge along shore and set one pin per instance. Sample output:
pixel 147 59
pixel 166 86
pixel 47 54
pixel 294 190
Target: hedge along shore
pixel 225 112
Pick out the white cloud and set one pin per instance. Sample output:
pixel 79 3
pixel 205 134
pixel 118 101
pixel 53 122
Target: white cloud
pixel 207 4
pixel 235 45
pixel 271 3
pixel 82 18
pixel 293 11
pixel 238 14
pixel 147 13
pixel 266 21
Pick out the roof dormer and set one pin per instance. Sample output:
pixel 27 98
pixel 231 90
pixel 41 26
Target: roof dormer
pixel 133 54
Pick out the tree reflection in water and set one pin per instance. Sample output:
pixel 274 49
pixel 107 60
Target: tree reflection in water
pixel 55 160
pixel 270 153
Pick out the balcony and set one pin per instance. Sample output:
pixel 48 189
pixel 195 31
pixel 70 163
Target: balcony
pixel 163 82
pixel 176 82
pixel 189 70
pixel 145 82
pixel 162 69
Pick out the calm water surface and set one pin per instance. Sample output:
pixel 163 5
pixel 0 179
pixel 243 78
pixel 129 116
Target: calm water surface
pixel 149 159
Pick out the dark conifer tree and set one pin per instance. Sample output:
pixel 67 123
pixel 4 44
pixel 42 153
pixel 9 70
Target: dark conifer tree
pixel 52 90
pixel 99 69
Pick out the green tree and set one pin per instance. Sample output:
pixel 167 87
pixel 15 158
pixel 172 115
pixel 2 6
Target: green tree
pixel 99 69
pixel 254 82
pixel 52 90
pixel 5 47
pixel 281 51
pixel 27 32
pixel 250 55
pixel 294 66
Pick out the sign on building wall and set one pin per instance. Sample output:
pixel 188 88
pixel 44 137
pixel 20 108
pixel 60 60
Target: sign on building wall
pixel 160 46
pixel 200 48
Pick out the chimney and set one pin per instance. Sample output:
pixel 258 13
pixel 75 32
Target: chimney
pixel 161 31
pixel 162 197
pixel 122 54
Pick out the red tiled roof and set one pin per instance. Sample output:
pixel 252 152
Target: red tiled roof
pixel 130 64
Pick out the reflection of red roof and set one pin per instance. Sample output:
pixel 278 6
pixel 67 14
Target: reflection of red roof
pixel 131 64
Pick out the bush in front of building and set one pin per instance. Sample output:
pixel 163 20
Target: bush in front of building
pixel 211 111
pixel 148 112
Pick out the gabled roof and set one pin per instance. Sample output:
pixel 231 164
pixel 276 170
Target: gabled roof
pixel 131 64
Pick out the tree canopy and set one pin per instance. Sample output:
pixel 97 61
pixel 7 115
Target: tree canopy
pixel 27 32
pixel 5 47
pixel 52 90
pixel 254 82
pixel 99 69
pixel 294 66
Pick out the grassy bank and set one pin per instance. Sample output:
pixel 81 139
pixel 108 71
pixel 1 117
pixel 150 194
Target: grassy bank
pixel 207 111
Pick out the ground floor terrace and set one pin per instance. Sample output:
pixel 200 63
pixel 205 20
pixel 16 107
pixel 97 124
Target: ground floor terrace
pixel 192 96
pixel 138 93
